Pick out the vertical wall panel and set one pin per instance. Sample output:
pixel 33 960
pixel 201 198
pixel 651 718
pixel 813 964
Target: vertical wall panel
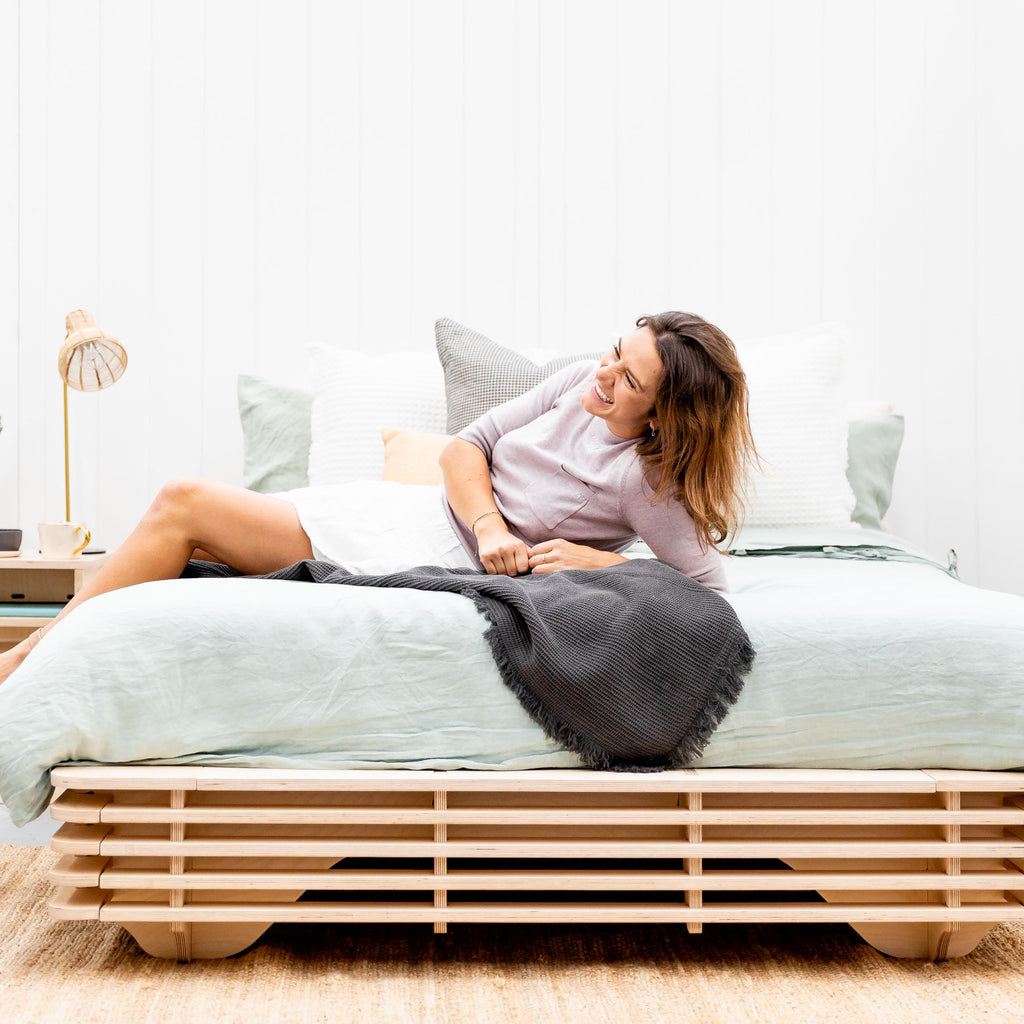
pixel 950 300
pixel 488 160
pixel 552 189
pixel 124 299
pixel 36 363
pixel 229 227
pixel 898 254
pixel 643 53
pixel 334 223
pixel 529 167
pixel 9 202
pixel 282 163
pixel 438 162
pixel 71 234
pixel 996 338
pixel 177 334
pixel 797 116
pixel 848 188
pixel 692 144
pixel 747 167
pixel 598 162
pixel 385 186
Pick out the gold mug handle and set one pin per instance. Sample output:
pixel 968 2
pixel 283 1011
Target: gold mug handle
pixel 85 541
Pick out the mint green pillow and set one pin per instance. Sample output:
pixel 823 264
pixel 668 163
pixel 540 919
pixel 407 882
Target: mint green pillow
pixel 873 446
pixel 275 434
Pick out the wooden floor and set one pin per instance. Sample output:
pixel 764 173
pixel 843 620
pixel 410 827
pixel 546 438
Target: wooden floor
pixel 198 862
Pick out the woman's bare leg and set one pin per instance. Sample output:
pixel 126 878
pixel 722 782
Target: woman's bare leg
pixel 253 533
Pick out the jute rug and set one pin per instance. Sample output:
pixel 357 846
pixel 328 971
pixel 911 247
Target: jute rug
pixel 92 973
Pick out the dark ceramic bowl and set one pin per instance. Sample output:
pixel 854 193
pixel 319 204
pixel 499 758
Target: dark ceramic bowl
pixel 10 540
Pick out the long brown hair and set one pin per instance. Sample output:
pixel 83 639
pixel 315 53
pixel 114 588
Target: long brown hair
pixel 703 447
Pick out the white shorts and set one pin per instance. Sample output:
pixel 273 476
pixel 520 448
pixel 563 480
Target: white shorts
pixel 372 527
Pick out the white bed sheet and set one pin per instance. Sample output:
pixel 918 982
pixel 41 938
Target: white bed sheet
pixel 860 664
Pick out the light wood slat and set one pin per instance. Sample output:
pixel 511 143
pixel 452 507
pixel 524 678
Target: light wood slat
pixel 320 815
pixel 706 780
pixel 582 913
pixel 976 781
pixel 694 865
pixel 409 879
pixel 440 863
pixel 141 777
pixel 69 904
pixel 77 838
pixel 72 870
pixel 133 846
pixel 82 808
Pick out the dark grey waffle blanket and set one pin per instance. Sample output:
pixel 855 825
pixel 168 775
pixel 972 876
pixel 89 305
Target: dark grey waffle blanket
pixel 631 667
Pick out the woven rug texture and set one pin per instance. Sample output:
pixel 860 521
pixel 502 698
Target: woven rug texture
pixel 82 972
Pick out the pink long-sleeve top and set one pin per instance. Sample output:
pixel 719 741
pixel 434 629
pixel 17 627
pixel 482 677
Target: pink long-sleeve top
pixel 558 471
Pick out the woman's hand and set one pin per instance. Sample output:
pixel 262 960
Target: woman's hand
pixel 555 555
pixel 501 553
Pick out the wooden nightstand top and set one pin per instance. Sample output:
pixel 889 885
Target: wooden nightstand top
pixel 34 560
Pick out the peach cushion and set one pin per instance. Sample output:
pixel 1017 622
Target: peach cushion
pixel 411 457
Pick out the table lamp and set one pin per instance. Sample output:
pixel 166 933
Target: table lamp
pixel 89 360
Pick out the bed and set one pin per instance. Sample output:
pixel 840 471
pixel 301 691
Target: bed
pixel 226 755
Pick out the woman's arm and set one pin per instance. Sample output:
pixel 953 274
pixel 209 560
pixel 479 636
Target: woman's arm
pixel 467 485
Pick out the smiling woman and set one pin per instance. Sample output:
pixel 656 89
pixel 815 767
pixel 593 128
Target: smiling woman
pixel 659 453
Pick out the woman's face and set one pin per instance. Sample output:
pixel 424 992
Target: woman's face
pixel 623 389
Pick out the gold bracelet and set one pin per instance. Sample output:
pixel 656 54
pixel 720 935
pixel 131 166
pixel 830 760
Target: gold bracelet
pixel 484 515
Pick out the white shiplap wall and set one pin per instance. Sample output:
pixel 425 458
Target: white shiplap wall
pixel 221 182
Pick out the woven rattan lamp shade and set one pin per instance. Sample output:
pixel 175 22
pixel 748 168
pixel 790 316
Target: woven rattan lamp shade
pixel 89 359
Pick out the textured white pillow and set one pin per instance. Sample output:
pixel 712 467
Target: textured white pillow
pixel 800 428
pixel 355 395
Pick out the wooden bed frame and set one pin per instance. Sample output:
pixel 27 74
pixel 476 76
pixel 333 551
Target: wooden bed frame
pixel 197 862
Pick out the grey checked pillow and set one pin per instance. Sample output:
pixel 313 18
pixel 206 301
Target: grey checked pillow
pixel 479 374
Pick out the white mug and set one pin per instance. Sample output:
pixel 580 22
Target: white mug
pixel 63 540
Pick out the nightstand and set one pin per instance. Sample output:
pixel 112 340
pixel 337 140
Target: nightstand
pixel 33 590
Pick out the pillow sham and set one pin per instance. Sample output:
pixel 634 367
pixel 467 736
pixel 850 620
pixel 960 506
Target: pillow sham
pixel 355 394
pixel 479 374
pixel 873 447
pixel 275 434
pixel 412 458
pixel 798 421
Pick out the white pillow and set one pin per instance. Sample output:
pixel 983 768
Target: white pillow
pixel 798 419
pixel 355 394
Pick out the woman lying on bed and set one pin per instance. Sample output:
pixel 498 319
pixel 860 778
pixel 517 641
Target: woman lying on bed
pixel 652 443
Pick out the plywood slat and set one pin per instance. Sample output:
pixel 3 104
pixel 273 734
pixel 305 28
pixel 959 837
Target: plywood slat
pixel 558 912
pixel 409 879
pixel 707 780
pixel 133 846
pixel 99 809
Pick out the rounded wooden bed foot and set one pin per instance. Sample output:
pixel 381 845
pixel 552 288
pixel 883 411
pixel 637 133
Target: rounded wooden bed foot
pixel 924 941
pixel 187 941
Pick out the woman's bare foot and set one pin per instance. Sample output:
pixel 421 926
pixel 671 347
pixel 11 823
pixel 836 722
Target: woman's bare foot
pixel 11 659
